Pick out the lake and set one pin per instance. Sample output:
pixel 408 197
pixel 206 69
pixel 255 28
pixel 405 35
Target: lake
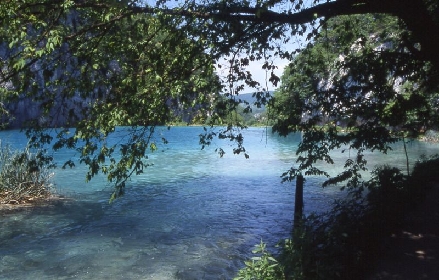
pixel 192 215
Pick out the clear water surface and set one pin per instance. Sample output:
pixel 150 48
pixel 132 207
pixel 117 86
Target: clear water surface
pixel 192 215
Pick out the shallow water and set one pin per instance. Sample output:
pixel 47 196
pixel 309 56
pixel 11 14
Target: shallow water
pixel 192 215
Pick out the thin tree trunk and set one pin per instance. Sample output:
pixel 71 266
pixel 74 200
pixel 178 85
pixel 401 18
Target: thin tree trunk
pixel 298 204
pixel 406 156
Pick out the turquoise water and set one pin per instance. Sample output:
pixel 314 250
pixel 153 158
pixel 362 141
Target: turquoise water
pixel 192 215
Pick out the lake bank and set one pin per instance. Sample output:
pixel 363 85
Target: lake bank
pixel 412 251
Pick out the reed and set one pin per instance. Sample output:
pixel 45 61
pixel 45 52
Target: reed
pixel 25 175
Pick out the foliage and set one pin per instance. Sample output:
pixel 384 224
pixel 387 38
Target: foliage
pixel 98 65
pixel 237 111
pixel 24 175
pixel 343 242
pixel 326 246
pixel 425 171
pixel 99 69
pixel 387 187
pixel 357 76
pixel 301 254
pixel 253 118
pixel 261 267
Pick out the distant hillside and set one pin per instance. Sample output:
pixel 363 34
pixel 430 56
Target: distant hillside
pixel 24 110
pixel 248 97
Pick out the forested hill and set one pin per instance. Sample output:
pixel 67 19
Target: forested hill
pixel 248 97
pixel 24 109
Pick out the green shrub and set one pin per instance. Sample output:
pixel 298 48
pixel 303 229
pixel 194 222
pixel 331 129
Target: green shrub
pixel 328 245
pixel 388 194
pixel 426 170
pixel 304 255
pixel 261 267
pixel 24 175
pixel 342 243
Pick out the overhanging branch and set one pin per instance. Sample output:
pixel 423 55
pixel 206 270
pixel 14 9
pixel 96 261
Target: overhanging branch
pixel 260 15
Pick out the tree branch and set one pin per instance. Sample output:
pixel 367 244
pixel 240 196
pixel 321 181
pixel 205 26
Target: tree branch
pixel 260 15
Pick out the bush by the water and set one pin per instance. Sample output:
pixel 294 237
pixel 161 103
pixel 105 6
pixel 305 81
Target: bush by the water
pixel 24 175
pixel 343 242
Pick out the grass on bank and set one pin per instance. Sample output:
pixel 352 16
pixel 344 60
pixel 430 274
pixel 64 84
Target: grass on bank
pixel 25 176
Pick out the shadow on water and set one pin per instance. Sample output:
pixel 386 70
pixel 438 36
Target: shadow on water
pixel 41 240
pixel 188 230
pixel 192 215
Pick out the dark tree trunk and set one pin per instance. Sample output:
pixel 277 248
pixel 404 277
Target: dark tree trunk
pixel 298 204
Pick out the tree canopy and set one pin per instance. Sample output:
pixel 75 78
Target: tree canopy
pixel 349 79
pixel 98 65
pixel 82 67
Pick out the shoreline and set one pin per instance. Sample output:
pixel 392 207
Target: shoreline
pixel 30 203
pixel 412 251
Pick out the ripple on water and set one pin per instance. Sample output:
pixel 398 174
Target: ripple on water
pixel 190 216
